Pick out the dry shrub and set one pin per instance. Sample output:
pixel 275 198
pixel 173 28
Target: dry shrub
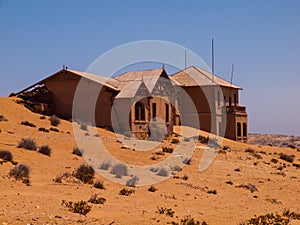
pixel 54 120
pixel 77 151
pixel 45 149
pixel 119 170
pixel 99 184
pixel 85 173
pixel 27 143
pixel 6 155
pixel 20 172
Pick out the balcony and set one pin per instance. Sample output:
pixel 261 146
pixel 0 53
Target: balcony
pixel 235 109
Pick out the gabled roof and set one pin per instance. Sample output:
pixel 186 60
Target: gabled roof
pixel 149 77
pixel 194 76
pixel 132 89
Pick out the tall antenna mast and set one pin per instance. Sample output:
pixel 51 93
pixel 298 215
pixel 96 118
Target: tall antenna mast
pixel 212 58
pixel 185 59
pixel 232 70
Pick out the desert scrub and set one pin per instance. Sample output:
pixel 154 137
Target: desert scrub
pixel 288 158
pixel 152 189
pixel 54 120
pixel 77 151
pixel 45 150
pixel 273 218
pixel 187 160
pixel 99 184
pixel 175 141
pixel 20 172
pixel 167 149
pixel 126 192
pixel 119 170
pixel 105 165
pixel 27 123
pixel 83 126
pixel 132 181
pixel 6 155
pixel 188 220
pixel 27 143
pixel 85 173
pixel 165 211
pixel 43 129
pixel 95 199
pixel 163 172
pixel 2 118
pixel 81 207
pixel 54 129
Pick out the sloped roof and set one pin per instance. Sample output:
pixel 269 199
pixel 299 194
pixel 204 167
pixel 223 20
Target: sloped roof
pixel 194 76
pixel 132 89
pixel 149 77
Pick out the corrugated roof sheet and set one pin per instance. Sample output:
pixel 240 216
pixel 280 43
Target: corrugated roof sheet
pixel 194 76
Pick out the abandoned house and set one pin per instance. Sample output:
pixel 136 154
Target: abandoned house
pixel 150 94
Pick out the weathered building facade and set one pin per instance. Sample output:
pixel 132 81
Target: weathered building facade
pixel 134 102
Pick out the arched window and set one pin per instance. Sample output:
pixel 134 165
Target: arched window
pixel 139 110
pixel 244 129
pixel 239 130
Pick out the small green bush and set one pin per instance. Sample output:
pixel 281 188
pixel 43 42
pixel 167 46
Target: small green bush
pixel 28 144
pixel 81 207
pixel 95 199
pixel 85 173
pixel 126 192
pixel 45 149
pixel 27 123
pixel 6 155
pixel 54 120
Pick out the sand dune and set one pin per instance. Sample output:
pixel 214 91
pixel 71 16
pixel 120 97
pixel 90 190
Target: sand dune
pixel 219 195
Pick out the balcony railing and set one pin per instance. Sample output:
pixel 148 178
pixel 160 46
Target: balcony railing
pixel 238 109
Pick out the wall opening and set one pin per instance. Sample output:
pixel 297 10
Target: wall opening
pixel 139 109
pixel 239 131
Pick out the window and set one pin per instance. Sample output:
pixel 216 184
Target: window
pixel 139 109
pixel 239 131
pixel 244 129
pixel 235 100
pixel 153 110
pixel 230 101
pixel 219 100
pixel 224 99
pixel 167 113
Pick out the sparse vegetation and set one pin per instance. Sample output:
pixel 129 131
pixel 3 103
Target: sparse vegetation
pixel 274 160
pixel 152 189
pixel 85 173
pixel 119 170
pixel 43 129
pixel 54 120
pixel 250 150
pixel 167 149
pixel 273 218
pixel 229 182
pixel 132 181
pixel 83 126
pixel 95 199
pixel 2 118
pixel 185 177
pixel 154 169
pixel 163 172
pixel 45 149
pixel 288 158
pixel 77 151
pixel 187 160
pixel 166 211
pixel 6 155
pixel 188 220
pixel 42 117
pixel 27 123
pixel 249 186
pixel 28 144
pixel 176 168
pixel 297 165
pixel 105 165
pixel 54 129
pixel 20 172
pixel 174 141
pixel 81 207
pixel 126 192
pixel 60 178
pixel 99 184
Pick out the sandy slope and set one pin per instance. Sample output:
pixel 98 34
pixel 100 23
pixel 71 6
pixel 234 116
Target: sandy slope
pixel 40 203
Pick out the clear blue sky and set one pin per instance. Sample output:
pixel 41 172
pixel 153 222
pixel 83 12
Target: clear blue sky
pixel 262 39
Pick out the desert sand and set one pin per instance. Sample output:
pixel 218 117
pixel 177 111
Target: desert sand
pixel 40 202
